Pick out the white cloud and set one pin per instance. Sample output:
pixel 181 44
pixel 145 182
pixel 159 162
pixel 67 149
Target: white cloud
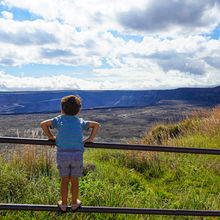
pixel 84 13
pixel 77 33
pixel 27 33
pixel 166 17
pixel 55 43
pixel 115 78
pixel 172 16
pixel 7 15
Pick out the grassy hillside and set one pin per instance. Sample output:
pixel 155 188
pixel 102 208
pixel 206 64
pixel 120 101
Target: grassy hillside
pixel 126 179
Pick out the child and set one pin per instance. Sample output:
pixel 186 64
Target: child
pixel 70 147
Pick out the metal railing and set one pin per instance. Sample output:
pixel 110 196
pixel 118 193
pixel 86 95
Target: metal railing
pixel 120 146
pixel 119 210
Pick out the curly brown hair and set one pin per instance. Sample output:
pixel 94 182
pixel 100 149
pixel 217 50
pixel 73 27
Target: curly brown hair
pixel 71 105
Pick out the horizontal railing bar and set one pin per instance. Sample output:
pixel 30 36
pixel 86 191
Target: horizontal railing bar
pixel 34 141
pixel 120 146
pixel 154 148
pixel 122 210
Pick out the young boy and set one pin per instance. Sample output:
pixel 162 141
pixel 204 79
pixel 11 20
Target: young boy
pixel 70 146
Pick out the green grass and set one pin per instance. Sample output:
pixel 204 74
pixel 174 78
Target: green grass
pixel 123 178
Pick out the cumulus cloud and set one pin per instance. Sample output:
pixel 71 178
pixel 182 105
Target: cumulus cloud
pixel 45 42
pixel 183 62
pixel 137 81
pixel 100 35
pixel 25 33
pixel 164 15
pixel 9 82
pixel 213 61
pixel 21 38
pixel 97 14
pixel 134 16
pixel 7 15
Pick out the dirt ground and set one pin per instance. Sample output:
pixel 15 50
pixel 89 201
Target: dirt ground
pixel 117 124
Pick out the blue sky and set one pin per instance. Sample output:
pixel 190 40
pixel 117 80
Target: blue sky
pixel 100 44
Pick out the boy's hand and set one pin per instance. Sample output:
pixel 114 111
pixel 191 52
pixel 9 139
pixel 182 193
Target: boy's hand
pixel 52 138
pixel 95 126
pixel 45 125
pixel 88 140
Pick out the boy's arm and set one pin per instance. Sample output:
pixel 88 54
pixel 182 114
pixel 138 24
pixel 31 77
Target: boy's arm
pixel 95 126
pixel 45 126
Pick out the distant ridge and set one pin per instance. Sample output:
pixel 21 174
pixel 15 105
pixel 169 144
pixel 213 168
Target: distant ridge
pixel 23 102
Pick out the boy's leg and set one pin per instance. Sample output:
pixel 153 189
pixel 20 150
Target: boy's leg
pixel 64 190
pixel 75 190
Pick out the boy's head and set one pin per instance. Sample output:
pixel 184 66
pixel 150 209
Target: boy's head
pixel 70 105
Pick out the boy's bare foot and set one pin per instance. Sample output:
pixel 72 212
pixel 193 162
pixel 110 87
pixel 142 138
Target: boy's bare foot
pixel 63 208
pixel 75 206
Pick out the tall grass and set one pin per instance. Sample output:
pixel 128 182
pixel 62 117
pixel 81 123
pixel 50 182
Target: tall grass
pixel 203 123
pixel 123 178
pixel 34 160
